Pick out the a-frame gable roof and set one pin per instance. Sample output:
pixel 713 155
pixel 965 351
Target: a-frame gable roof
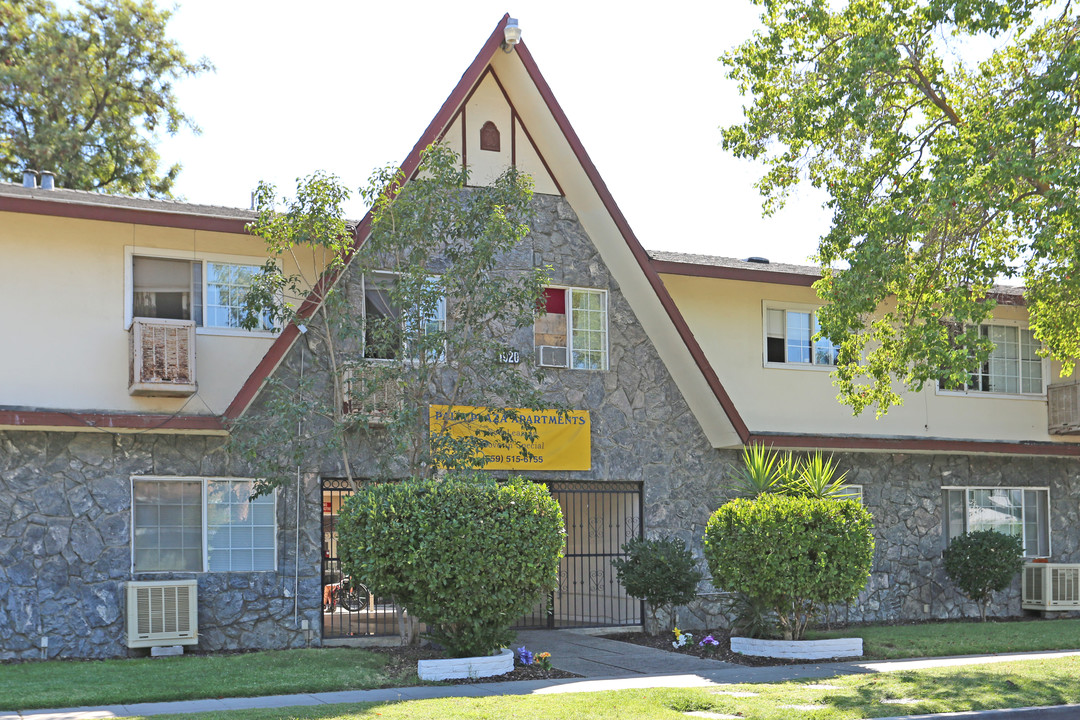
pixel 563 156
pixel 575 176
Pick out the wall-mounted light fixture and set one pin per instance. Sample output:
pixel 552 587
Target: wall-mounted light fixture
pixel 512 34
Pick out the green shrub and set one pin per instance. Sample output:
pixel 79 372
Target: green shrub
pixel 982 562
pixel 466 555
pixel 662 572
pixel 795 555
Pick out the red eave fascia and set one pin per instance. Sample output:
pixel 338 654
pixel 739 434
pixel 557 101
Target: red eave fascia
pixel 856 443
pixel 109 421
pixel 137 216
pixel 276 353
pixel 632 243
pixel 774 277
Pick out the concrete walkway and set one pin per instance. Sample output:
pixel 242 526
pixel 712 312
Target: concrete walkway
pixel 604 665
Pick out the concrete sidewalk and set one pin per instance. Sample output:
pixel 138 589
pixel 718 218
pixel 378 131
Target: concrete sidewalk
pixel 605 665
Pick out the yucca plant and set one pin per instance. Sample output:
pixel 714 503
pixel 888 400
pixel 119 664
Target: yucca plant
pixel 770 471
pixel 760 472
pixel 815 477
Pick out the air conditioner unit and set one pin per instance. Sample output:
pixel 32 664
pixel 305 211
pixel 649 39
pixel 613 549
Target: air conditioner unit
pixel 162 612
pixel 1050 586
pixel 162 357
pixel 551 356
pixel 378 398
pixel 1063 408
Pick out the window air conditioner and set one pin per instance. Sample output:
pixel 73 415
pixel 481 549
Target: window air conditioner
pixel 551 356
pixel 1063 407
pixel 162 612
pixel 162 357
pixel 367 394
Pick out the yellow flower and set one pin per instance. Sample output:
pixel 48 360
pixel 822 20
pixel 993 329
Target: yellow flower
pixel 678 633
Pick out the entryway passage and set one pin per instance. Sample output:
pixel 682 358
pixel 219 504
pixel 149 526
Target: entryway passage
pixel 593 657
pixel 599 517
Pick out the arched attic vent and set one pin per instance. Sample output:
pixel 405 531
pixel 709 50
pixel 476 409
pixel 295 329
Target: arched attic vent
pixel 489 137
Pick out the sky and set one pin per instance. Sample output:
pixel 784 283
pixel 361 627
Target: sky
pixel 346 87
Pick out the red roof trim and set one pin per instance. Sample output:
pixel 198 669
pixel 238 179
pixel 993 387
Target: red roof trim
pixel 276 353
pixel 775 277
pixel 52 418
pixel 138 216
pixel 633 243
pixel 826 442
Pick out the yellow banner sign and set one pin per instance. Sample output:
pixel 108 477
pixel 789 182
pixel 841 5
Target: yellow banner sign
pixel 563 440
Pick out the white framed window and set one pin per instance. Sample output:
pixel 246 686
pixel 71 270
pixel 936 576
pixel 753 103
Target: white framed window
pixel 1018 511
pixel 789 337
pixel 854 492
pixel 573 330
pixel 208 289
pixel 186 524
pixel 1014 366
pixel 379 344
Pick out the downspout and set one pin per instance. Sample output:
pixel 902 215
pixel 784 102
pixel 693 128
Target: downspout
pixel 299 493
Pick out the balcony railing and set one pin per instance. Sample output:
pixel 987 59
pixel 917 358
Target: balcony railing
pixel 1051 586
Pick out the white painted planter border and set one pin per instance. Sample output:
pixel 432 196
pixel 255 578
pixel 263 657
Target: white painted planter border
pixel 798 649
pixel 470 667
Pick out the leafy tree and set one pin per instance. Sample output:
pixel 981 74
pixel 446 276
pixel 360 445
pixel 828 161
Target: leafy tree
pixel 945 133
pixel 982 563
pixel 425 312
pixel 660 571
pixel 793 555
pixel 85 89
pixel 422 315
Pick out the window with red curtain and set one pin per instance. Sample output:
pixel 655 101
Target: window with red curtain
pixel 555 300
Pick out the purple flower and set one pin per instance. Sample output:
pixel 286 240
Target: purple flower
pixel 524 656
pixel 708 640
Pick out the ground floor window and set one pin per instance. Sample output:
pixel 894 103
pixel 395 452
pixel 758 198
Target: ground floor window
pixel 1021 512
pixel 184 524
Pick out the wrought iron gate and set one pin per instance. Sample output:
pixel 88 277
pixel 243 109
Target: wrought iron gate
pixel 599 518
pixel 349 610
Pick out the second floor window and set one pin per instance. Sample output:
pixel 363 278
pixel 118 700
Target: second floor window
pixel 1013 367
pixel 207 292
pixel 789 338
pixel 389 332
pixel 572 332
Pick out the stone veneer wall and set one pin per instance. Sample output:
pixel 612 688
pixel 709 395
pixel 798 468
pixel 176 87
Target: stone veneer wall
pixel 65 545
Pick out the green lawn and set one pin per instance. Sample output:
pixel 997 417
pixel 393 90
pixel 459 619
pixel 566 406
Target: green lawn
pixel 53 684
pixel 1013 684
pixel 888 642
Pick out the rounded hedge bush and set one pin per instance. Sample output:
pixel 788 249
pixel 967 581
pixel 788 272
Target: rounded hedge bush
pixel 796 555
pixel 465 555
pixel 983 562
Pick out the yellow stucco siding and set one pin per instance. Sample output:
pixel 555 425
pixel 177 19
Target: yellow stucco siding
pixel 727 318
pixel 66 343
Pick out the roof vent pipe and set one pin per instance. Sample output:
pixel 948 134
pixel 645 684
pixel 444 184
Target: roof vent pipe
pixel 29 178
pixel 48 180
